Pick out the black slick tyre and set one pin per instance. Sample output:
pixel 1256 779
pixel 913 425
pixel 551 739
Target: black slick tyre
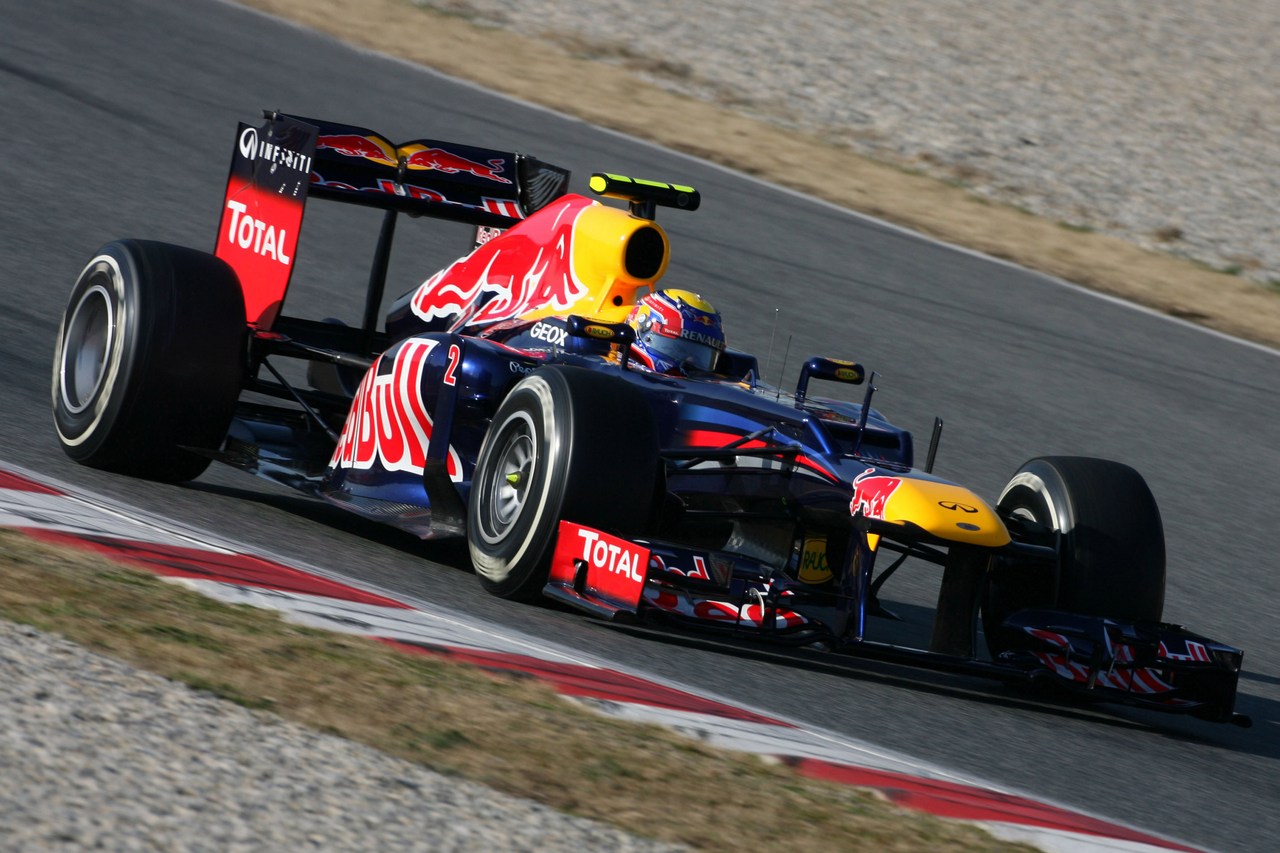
pixel 566 443
pixel 149 360
pixel 1105 524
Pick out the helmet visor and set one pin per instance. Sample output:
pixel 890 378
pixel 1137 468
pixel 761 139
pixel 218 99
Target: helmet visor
pixel 680 352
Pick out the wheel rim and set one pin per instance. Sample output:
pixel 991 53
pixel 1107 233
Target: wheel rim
pixel 505 488
pixel 1026 514
pixel 86 349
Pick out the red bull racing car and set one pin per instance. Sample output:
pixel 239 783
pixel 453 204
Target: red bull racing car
pixel 513 399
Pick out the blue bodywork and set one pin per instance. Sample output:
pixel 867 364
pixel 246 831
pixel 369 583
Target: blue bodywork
pixel 767 522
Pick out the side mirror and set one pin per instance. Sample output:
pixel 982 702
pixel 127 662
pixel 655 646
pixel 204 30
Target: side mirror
pixel 613 333
pixel 848 372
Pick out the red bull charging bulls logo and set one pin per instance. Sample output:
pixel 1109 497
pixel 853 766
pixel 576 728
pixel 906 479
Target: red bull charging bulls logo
pixel 355 145
pixel 452 164
pixel 415 156
pixel 530 268
pixel 871 493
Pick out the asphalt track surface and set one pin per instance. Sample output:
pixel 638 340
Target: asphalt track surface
pixel 119 121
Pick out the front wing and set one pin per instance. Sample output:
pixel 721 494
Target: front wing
pixel 1159 666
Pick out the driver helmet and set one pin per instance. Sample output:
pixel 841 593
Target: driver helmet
pixel 675 330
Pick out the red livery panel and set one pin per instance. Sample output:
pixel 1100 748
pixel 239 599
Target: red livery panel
pixel 615 568
pixel 262 212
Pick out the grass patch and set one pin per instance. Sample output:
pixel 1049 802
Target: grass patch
pixel 174 634
pixel 511 733
pixel 225 691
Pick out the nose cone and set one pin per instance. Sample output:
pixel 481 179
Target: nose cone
pixel 944 510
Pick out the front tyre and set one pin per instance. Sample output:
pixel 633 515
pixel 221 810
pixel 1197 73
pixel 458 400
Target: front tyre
pixel 566 443
pixel 149 360
pixel 1106 526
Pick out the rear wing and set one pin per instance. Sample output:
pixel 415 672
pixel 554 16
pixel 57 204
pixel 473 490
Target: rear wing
pixel 275 167
pixel 427 177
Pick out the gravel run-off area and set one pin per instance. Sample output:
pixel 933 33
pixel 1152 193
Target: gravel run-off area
pixel 97 755
pixel 1155 122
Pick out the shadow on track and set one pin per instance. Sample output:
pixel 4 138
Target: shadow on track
pixel 447 552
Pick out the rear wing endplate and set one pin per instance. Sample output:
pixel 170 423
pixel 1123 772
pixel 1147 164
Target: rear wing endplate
pixel 262 211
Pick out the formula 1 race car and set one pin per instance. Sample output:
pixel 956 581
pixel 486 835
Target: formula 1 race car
pixel 505 400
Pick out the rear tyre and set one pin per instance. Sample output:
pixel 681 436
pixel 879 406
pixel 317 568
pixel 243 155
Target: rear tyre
pixel 566 443
pixel 1106 526
pixel 150 359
